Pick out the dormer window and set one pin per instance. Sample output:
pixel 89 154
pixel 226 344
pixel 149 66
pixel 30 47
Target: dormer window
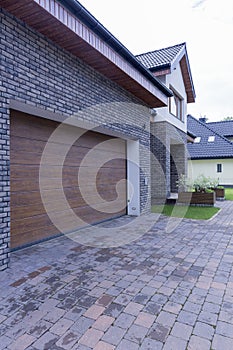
pixel 176 104
pixel 197 139
pixel 211 138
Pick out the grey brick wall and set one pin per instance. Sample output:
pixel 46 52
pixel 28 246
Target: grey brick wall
pixel 168 159
pixel 37 72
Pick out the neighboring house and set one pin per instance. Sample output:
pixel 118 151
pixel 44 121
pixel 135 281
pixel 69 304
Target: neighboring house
pixel 211 153
pixel 224 128
pixel 169 124
pixel 58 62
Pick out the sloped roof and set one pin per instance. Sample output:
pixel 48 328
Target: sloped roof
pixel 69 25
pixel 224 128
pixel 157 58
pixel 164 60
pixel 220 148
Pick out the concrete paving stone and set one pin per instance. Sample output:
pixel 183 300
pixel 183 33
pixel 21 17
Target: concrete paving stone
pixel 155 284
pixel 198 343
pixel 94 311
pixel 68 340
pixel 4 342
pixel 172 307
pixel 145 319
pixel 133 308
pixel 192 307
pixel 75 313
pixel 127 345
pixel 141 298
pixel 106 284
pixel 136 333
pixel 78 346
pixel 208 317
pixel 210 298
pixel 173 343
pixel 203 249
pixel 224 329
pixel 97 292
pixel 158 332
pixel 204 330
pixel 82 324
pixel 130 278
pixel 181 330
pixel 114 310
pixel 165 291
pixel 86 301
pixel 123 299
pixel 91 337
pixel 166 319
pixel 150 344
pixel 114 335
pixel 61 326
pixel 114 291
pixel 210 307
pixel 218 285
pixel 200 292
pixel 147 290
pixel 177 298
pixel 104 300
pixel 160 299
pixel 39 328
pixel 103 346
pixel 124 320
pixel 122 283
pixel 187 318
pixel 54 315
pixel 46 341
pixel 103 323
pixel 153 308
pixel 217 292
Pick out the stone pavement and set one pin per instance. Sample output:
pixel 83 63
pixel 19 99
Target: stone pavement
pixel 170 289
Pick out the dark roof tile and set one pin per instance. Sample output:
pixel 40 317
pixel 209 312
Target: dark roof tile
pixel 160 57
pixel 224 128
pixel 220 148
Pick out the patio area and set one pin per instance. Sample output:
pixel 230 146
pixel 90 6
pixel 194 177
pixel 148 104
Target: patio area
pixel 169 288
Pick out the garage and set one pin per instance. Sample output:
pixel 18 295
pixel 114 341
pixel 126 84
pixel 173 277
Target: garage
pixel 30 218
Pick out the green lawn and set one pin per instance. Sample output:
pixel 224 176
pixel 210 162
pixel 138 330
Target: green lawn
pixel 229 194
pixel 188 212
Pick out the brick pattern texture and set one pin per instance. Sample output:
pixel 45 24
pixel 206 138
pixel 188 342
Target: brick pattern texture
pixel 168 159
pixel 37 72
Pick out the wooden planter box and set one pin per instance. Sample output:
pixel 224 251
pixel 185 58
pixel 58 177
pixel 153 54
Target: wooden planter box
pixel 220 193
pixel 196 198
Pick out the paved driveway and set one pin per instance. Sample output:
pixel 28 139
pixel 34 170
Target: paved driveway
pixel 170 289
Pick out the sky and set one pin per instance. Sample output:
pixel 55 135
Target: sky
pixel 205 25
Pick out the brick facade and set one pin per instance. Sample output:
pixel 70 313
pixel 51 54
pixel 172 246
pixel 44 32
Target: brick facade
pixel 39 73
pixel 168 159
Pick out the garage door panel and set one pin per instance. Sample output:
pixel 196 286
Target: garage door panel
pixel 30 221
pixel 33 128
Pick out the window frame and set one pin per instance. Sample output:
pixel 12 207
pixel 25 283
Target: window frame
pixel 211 138
pixel 178 101
pixel 219 168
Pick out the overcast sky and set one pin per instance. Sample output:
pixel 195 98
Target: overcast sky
pixel 205 25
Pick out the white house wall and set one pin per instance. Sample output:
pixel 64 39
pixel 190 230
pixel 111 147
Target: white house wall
pixel 208 167
pixel 174 79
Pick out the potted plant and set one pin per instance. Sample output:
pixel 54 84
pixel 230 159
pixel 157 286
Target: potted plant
pixel 199 194
pixel 219 190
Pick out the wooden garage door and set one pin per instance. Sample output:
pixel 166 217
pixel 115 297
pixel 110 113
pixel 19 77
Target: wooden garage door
pixel 30 221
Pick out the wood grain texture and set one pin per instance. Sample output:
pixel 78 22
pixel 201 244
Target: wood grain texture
pixel 30 221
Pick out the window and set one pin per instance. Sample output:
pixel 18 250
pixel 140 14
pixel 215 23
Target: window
pixel 197 139
pixel 211 138
pixel 176 105
pixel 219 168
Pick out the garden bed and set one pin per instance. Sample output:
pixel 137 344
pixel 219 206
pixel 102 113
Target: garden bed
pixel 197 198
